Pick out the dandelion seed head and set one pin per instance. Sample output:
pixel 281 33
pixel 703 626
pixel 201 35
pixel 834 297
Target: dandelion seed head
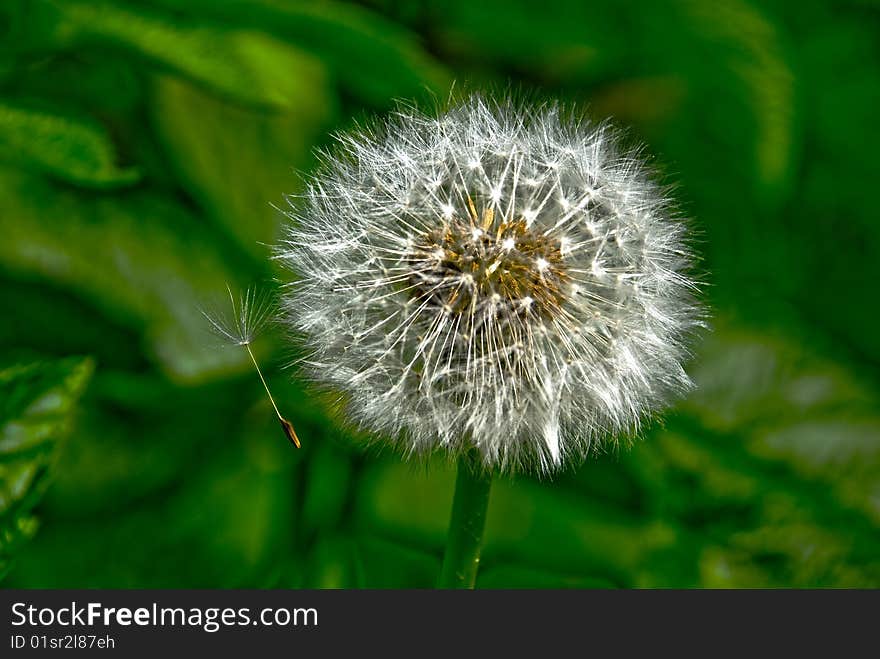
pixel 498 277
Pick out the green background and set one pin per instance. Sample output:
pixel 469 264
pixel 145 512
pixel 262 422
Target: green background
pixel 142 145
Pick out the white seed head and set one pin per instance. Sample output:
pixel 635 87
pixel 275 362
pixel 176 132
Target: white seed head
pixel 494 277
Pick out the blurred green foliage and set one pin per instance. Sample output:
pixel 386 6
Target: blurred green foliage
pixel 37 405
pixel 142 146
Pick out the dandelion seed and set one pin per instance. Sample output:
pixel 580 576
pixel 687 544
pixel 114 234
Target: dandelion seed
pixel 499 278
pixel 239 326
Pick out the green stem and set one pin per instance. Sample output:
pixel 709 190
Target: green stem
pixel 465 538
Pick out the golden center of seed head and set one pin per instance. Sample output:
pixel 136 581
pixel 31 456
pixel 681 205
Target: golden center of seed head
pixel 467 263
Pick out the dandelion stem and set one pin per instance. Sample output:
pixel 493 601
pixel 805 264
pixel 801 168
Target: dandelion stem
pixel 286 425
pixel 262 379
pixel 462 557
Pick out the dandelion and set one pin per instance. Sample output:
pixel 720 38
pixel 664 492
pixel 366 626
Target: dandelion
pixel 497 281
pixel 494 278
pixel 239 326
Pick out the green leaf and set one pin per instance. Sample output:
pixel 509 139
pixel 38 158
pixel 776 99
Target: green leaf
pixel 225 519
pixel 76 328
pixel 37 401
pixel 830 234
pixel 749 43
pixel 373 58
pixel 683 52
pixel 165 434
pixel 140 259
pixel 779 450
pixel 65 147
pixel 140 436
pixel 794 409
pixel 236 160
pixel 246 65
